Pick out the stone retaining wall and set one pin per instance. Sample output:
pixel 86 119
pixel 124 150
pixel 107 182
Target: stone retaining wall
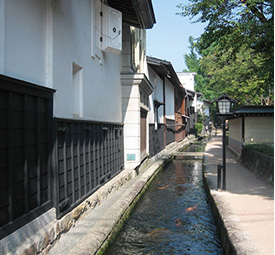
pixel 43 240
pixel 258 163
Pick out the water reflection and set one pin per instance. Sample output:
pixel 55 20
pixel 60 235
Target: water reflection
pixel 173 216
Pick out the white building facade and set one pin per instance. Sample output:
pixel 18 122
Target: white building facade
pixel 63 110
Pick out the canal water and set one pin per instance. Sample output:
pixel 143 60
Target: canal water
pixel 194 147
pixel 172 217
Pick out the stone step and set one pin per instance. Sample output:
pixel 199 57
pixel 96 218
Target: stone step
pixel 188 155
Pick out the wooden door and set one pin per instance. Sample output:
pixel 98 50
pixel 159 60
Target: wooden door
pixel 143 125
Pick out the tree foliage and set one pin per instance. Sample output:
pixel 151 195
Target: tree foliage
pixel 237 46
pixel 192 62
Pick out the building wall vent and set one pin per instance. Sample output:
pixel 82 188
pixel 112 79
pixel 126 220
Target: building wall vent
pixel 111 30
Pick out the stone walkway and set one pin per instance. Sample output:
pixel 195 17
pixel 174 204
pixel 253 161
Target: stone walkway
pixel 246 208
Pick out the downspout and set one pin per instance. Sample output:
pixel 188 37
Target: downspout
pixel 188 106
pixel 164 113
pixel 243 130
pixel 175 114
pixel 184 111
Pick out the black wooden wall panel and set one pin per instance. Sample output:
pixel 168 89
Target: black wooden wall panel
pixel 88 154
pixel 156 139
pixel 46 162
pixel 25 150
pixel 170 131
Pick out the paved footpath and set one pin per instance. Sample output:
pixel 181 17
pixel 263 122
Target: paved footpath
pixel 246 207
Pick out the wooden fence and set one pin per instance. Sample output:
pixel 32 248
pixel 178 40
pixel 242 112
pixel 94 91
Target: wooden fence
pixel 25 152
pixel 87 154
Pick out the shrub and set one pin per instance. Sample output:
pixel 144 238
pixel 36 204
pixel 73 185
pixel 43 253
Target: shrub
pixel 198 127
pixel 261 147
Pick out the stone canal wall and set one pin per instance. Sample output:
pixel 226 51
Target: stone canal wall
pixel 222 226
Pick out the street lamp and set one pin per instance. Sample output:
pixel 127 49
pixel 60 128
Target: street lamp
pixel 224 105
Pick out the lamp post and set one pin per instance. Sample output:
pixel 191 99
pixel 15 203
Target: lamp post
pixel 224 105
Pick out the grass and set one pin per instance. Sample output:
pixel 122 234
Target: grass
pixel 260 147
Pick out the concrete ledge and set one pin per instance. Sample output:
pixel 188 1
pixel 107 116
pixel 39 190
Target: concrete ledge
pixel 33 236
pixel 232 240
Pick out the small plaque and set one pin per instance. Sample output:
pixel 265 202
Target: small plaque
pixel 131 157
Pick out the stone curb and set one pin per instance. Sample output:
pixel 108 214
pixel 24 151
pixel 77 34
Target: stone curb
pixel 233 241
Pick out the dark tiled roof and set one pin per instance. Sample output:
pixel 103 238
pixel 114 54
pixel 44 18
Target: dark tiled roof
pixel 164 68
pixel 138 13
pixel 255 111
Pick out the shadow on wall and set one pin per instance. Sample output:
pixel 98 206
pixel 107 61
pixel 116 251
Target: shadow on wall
pixel 260 164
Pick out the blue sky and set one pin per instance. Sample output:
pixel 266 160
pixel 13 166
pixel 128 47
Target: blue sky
pixel 169 37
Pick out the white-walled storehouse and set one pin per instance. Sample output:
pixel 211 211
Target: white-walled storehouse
pixel 166 104
pixel 196 104
pixel 251 124
pixel 56 44
pixel 63 66
pixel 187 80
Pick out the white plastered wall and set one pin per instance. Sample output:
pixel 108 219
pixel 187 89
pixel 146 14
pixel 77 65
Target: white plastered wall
pixel 41 41
pixel 169 100
pixel 259 129
pixel 74 42
pixel 23 40
pixel 157 94
pixel 235 129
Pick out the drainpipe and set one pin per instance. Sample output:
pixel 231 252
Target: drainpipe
pixel 189 112
pixel 164 113
pixel 243 130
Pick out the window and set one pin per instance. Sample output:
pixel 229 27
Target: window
pixel 77 90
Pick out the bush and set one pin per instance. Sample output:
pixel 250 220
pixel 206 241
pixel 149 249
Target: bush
pixel 261 147
pixel 198 127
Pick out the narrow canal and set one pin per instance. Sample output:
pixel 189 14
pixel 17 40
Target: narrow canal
pixel 172 217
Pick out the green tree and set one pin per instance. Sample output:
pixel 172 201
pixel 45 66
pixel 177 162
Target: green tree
pixel 237 31
pixel 237 77
pixel 198 128
pixel 192 62
pixel 192 59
